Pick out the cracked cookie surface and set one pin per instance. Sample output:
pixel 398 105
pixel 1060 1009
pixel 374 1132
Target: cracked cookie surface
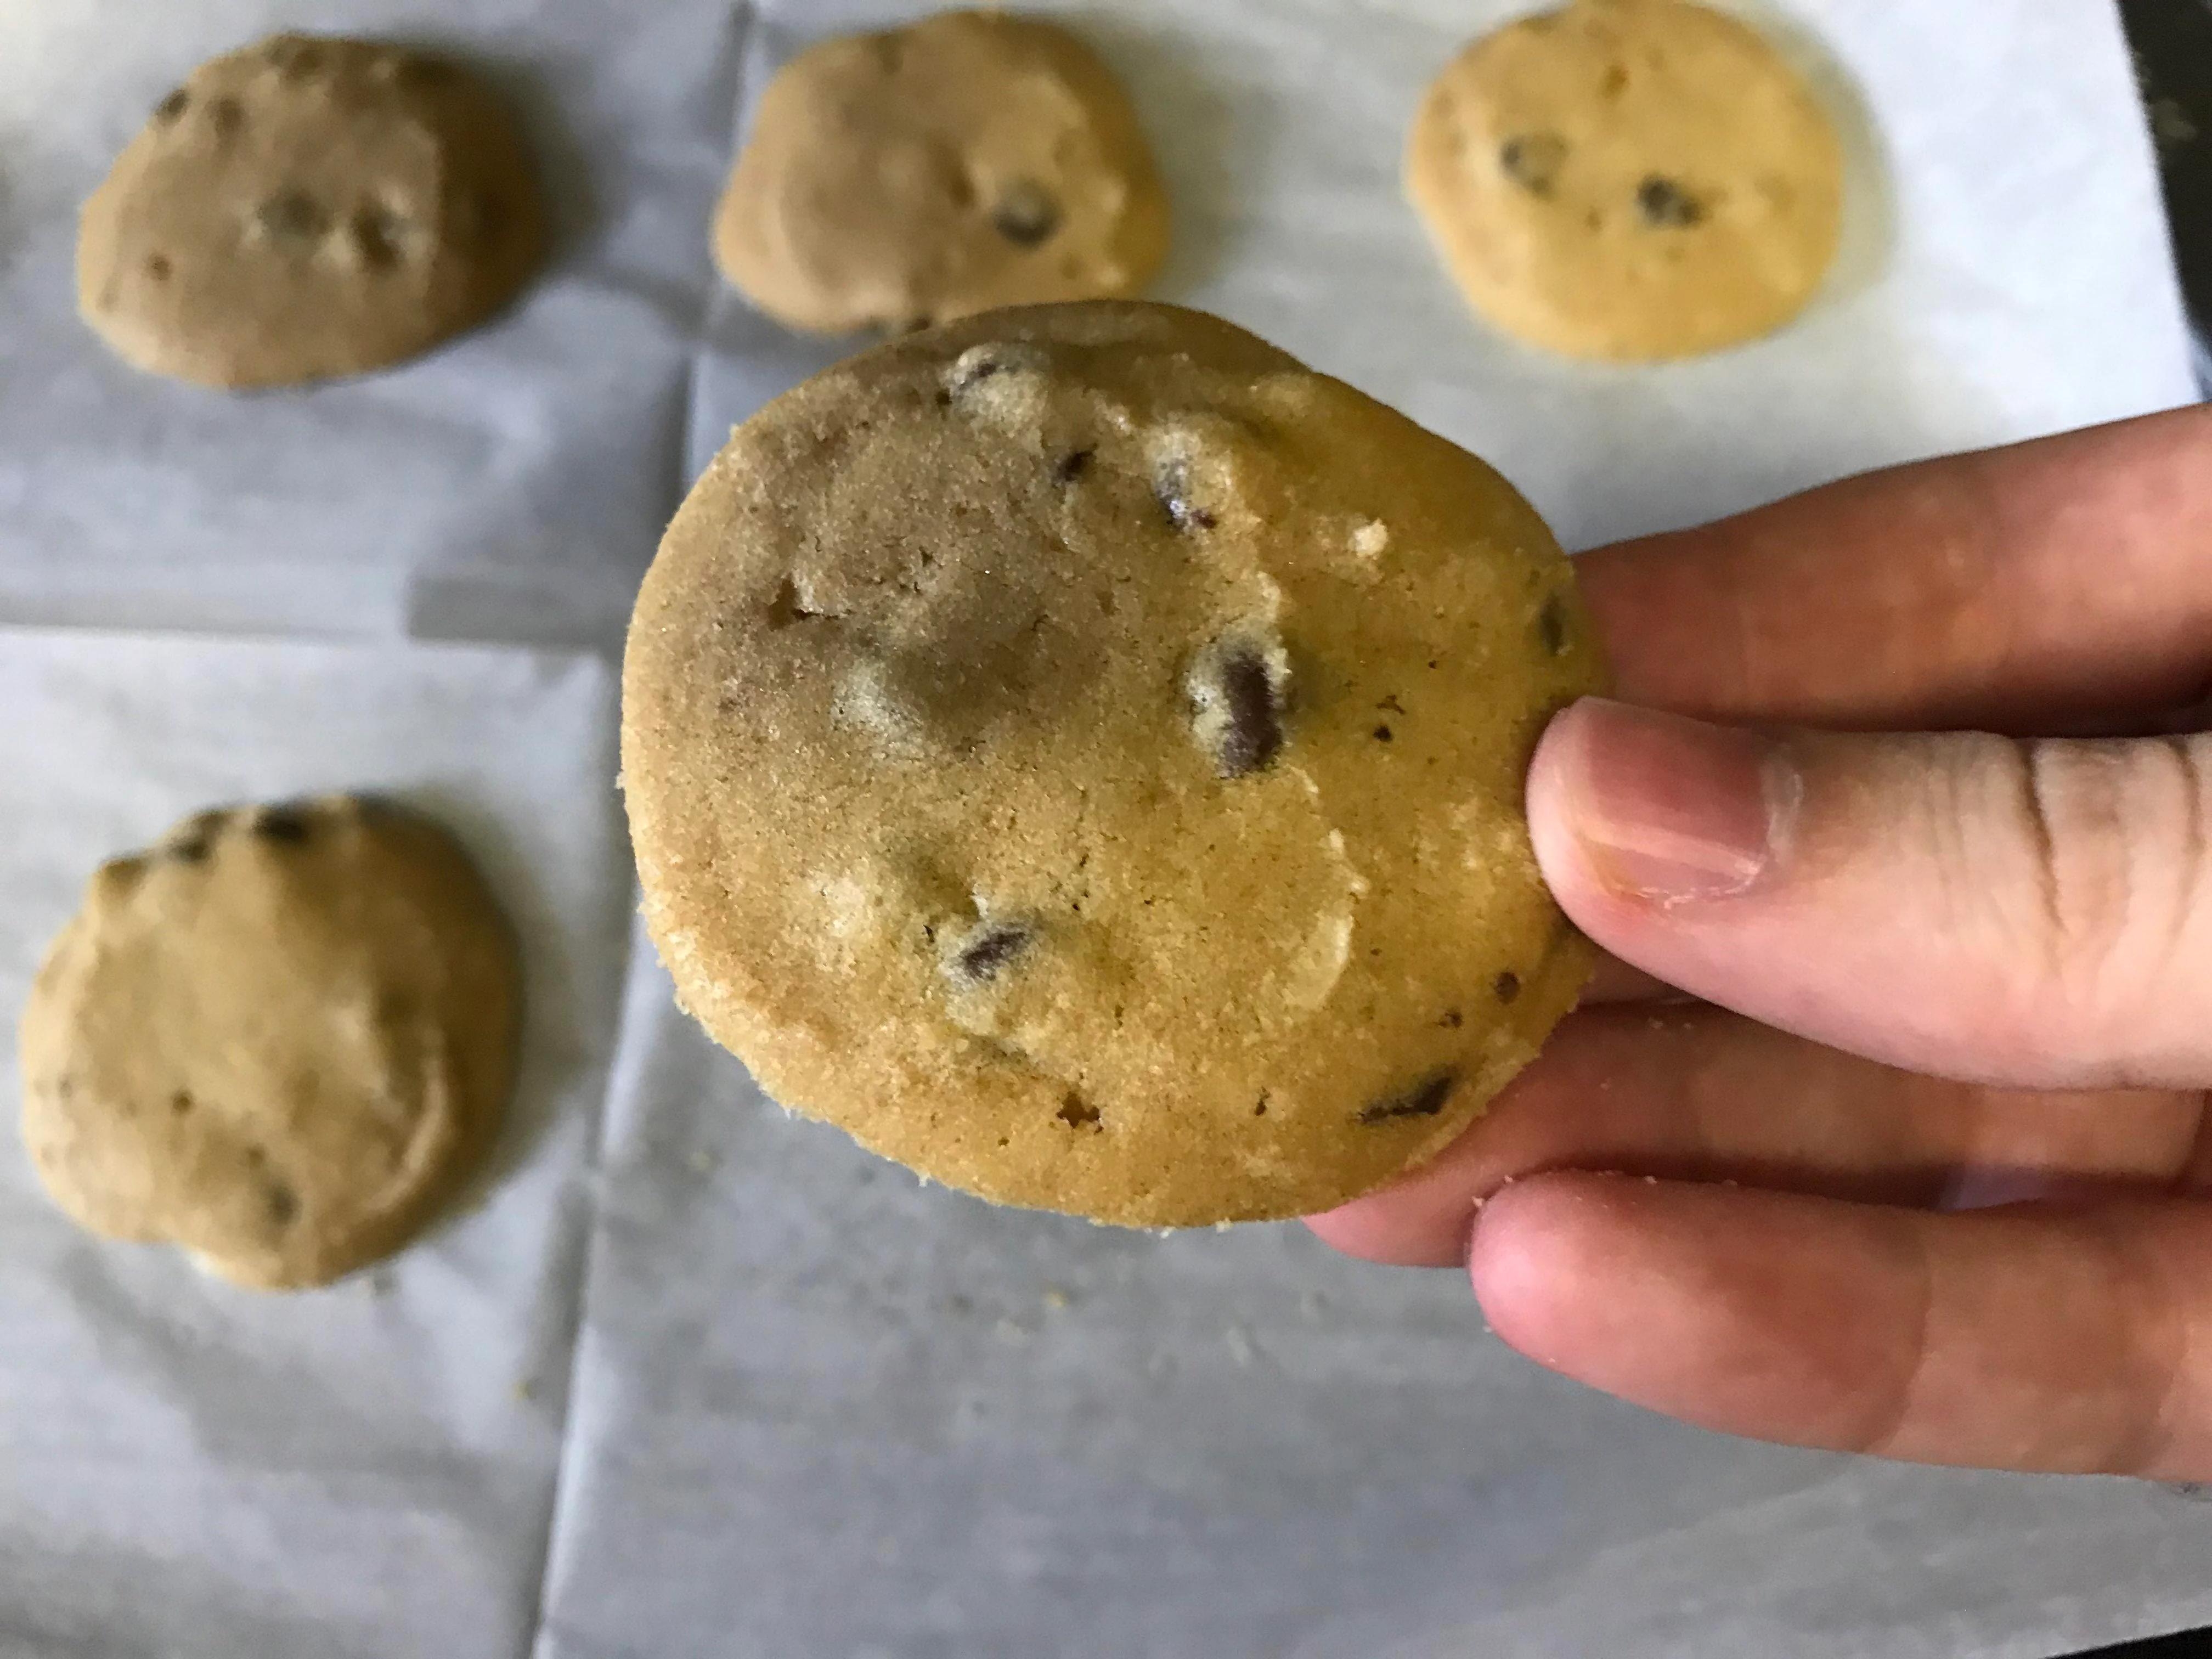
pixel 1079 751
pixel 1628 179
pixel 308 207
pixel 917 174
pixel 281 1038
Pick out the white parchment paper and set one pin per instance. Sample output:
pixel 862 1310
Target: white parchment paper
pixel 197 1472
pixel 820 1411
pixel 870 1418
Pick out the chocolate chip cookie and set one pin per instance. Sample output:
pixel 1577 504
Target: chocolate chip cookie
pixel 1629 179
pixel 1080 751
pixel 282 1038
pixel 305 208
pixel 968 161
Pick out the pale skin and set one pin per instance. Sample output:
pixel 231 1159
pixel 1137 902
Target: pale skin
pixel 1886 1127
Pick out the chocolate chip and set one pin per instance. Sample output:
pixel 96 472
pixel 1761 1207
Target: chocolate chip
pixel 1078 1113
pixel 1551 624
pixel 1507 986
pixel 174 105
pixel 1238 693
pixel 1071 466
pixel 1663 203
pixel 1025 214
pixel 158 267
pixel 1381 734
pixel 1426 1100
pixel 991 948
pixel 181 1103
pixel 283 1204
pixel 193 849
pixel 1391 703
pixel 379 238
pixel 293 216
pixel 1172 487
pixel 287 826
pixel 226 116
pixel 1533 160
pixel 1259 1106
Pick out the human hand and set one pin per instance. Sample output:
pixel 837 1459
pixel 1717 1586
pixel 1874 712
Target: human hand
pixel 1977 1228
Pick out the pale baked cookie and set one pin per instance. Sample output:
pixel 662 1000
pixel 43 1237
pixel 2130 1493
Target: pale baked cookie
pixel 281 1039
pixel 1079 751
pixel 968 161
pixel 305 208
pixel 1628 179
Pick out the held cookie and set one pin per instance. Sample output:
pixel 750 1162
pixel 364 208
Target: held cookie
pixel 306 208
pixel 281 1039
pixel 968 160
pixel 1628 179
pixel 1079 751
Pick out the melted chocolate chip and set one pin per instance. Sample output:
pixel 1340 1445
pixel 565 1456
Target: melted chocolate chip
pixel 1025 214
pixel 1533 160
pixel 1663 204
pixel 285 826
pixel 1078 1113
pixel 283 1204
pixel 1381 734
pixel 1172 487
pixel 293 216
pixel 1425 1100
pixel 990 950
pixel 379 238
pixel 1239 706
pixel 1507 986
pixel 1552 625
pixel 1071 466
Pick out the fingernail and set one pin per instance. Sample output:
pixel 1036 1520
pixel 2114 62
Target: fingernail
pixel 1675 810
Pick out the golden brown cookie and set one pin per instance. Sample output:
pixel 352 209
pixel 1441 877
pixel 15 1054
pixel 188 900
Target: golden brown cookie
pixel 1629 179
pixel 1079 751
pixel 306 208
pixel 968 160
pixel 283 1038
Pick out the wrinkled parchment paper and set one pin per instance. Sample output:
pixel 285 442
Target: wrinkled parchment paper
pixel 819 1410
pixel 198 1471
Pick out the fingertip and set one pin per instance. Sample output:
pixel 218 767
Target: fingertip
pixel 1383 1227
pixel 1541 1246
pixel 1557 778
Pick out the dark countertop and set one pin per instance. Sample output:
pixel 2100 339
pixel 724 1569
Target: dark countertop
pixel 2173 44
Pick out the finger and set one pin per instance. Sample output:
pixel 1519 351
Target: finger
pixel 2036 915
pixel 1615 981
pixel 2025 1337
pixel 2003 589
pixel 1700 1094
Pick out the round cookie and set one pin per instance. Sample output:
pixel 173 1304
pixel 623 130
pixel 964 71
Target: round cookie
pixel 282 1039
pixel 968 161
pixel 1628 179
pixel 306 208
pixel 1079 751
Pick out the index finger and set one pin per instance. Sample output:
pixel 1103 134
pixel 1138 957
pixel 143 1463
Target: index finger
pixel 2006 588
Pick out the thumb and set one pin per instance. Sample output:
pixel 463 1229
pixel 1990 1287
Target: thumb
pixel 2036 913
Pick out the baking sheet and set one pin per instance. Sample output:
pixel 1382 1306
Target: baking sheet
pixel 188 1469
pixel 509 486
pixel 873 1418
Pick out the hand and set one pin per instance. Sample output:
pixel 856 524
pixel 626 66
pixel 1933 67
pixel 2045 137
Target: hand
pixel 1976 1227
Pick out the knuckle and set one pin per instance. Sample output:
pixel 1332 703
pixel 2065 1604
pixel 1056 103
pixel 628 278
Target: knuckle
pixel 2115 837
